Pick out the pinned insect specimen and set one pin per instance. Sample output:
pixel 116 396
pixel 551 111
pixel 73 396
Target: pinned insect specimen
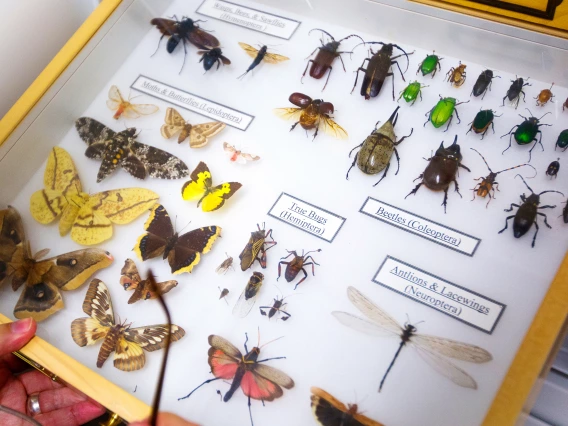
pixel 211 56
pixel 544 96
pixel 526 132
pixel 312 114
pixel 256 245
pixel 525 216
pixel 562 141
pixel 456 76
pixel 238 156
pixel 201 188
pixel 443 112
pixel 433 350
pixel 565 213
pixel 411 92
pixel 376 150
pixel 378 69
pixel 225 265
pixel 122 149
pixel 327 53
pixel 565 104
pixel 328 411
pixel 488 184
pixel 553 168
pixel 117 103
pixel 430 65
pixel 483 83
pixel 198 134
pixel 483 119
pixel 277 307
pixel 223 294
pixel 249 295
pixel 130 280
pixel 442 169
pixel 259 56
pixel 514 92
pixel 127 343
pixel 182 251
pixel 258 381
pixel 296 265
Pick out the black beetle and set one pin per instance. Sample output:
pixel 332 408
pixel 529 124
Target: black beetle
pixel 483 83
pixel 211 56
pixel 565 213
pixel 515 91
pixel 553 168
pixel 526 213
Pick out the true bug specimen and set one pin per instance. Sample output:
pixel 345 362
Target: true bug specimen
pixel 434 350
pixel 526 132
pixel 377 149
pixel 258 381
pixel 544 96
pixel 223 294
pixel 483 119
pixel 296 265
pixel 442 170
pixel 553 168
pixel 327 53
pixel 312 114
pixel 249 295
pixel 515 91
pixel 562 141
pixel 526 213
pixel 443 112
pixel 276 307
pixel 411 92
pixel 211 56
pixel 456 76
pixel 256 245
pixel 379 67
pixel 430 64
pixel 260 55
pixel 483 83
pixel 225 265
pixel 488 185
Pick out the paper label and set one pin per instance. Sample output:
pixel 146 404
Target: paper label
pixel 191 102
pixel 426 228
pixel 253 19
pixel 307 217
pixel 458 302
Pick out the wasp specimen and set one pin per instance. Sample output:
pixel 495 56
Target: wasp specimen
pixel 544 96
pixel 296 265
pixel 456 76
pixel 225 265
pixel 210 56
pixel 259 56
pixel 256 245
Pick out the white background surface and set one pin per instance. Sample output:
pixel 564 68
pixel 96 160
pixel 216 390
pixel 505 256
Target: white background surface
pixel 319 350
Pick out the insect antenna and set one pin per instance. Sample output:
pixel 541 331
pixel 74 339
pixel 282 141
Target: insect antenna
pixel 520 165
pixel 311 251
pixel 530 189
pixel 550 190
pixel 488 164
pixel 351 35
pixel 544 115
pixel 323 31
pixel 185 226
pixel 405 54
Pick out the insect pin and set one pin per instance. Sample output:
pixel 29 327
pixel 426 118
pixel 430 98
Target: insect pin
pixel 122 107
pixel 514 92
pixel 526 132
pixel 544 96
pixel 553 168
pixel 456 76
pixel 483 83
pixel 257 245
pixel 296 265
pixel 259 56
pixel 225 265
pixel 223 294
pixel 488 185
pixel 249 295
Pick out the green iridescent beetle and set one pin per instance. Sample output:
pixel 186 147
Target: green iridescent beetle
pixel 411 92
pixel 526 132
pixel 443 113
pixel 430 64
pixel 562 141
pixel 482 121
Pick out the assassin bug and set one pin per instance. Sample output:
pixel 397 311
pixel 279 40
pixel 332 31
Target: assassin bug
pixel 296 265
pixel 526 132
pixel 488 183
pixel 276 307
pixel 256 244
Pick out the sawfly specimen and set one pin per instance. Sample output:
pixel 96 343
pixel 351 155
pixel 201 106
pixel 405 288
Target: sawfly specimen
pixel 259 56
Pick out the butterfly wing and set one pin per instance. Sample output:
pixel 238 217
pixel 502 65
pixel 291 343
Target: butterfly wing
pixel 251 51
pixel 332 128
pixel 328 411
pixel 200 133
pixel 288 113
pixel 187 251
pixel 93 131
pixel 273 58
pixel 174 123
pixel 11 235
pixel 153 337
pixel 216 197
pixel 158 163
pixel 129 276
pixel 200 181
pixel 128 356
pixel 38 301
pixel 224 357
pixel 158 229
pixel 144 292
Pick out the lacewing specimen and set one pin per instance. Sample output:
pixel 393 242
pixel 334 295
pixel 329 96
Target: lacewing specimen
pixel 258 381
pixel 117 103
pixel 238 156
pixel 249 295
pixel 433 350
pixel 260 55
pixel 329 411
pixel 224 267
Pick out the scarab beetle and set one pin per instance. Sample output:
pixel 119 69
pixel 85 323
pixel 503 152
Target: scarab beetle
pixel 377 149
pixel 443 112
pixel 442 170
pixel 483 119
pixel 296 265
pixel 526 132
pixel 429 65
pixel 526 213
pixel 553 168
pixel 456 76
pixel 411 92
pixel 544 96
pixel 515 91
pixel 483 83
pixel 562 141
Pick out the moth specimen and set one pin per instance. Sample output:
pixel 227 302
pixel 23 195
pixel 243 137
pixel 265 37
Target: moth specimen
pixel 238 156
pixel 329 411
pixel 259 56
pixel 121 149
pixel 130 280
pixel 117 103
pixel 198 134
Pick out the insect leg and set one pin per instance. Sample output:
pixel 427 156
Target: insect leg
pixel 504 97
pixel 357 73
pixel 547 207
pixel 386 170
pixel 535 233
pixel 280 268
pixel 352 164
pixel 510 141
pixel 270 359
pixel 261 309
pixel 544 216
pixel 302 280
pixel 328 75
pixel 307 65
pixel 184 55
pixel 489 194
pixel 204 383
pixel 358 146
pixel 391 364
pixel 399 70
pixel 294 125
pixel 313 263
pixel 403 138
pixel 507 221
pixel 510 209
pixel 312 52
pixel 159 41
pixel 415 190
pixel 341 59
pixel 445 202
pixel 285 313
pixel 450 122
pixel 250 412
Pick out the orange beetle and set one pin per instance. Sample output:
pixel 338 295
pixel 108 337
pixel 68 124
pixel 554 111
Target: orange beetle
pixel 544 96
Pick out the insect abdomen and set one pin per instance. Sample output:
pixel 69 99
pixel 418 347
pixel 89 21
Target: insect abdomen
pixel 109 345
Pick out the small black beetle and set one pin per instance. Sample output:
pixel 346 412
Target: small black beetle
pixel 553 168
pixel 514 92
pixel 483 83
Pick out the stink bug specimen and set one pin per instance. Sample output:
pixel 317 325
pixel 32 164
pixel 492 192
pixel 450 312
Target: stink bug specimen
pixel 483 83
pixel 515 91
pixel 526 132
pixel 544 96
pixel 553 169
pixel 429 65
pixel 411 92
pixel 483 119
pixel 456 76
pixel 443 112
pixel 296 265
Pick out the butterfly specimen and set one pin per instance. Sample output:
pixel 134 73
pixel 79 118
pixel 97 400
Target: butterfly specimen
pixel 225 265
pixel 117 103
pixel 42 279
pixel 130 280
pixel 89 217
pixel 312 114
pixel 182 251
pixel 211 56
pixel 126 343
pixel 328 411
pixel 122 149
pixel 200 188
pixel 431 349
pixel 198 134
pixel 249 295
pixel 258 381
pixel 238 156
pixel 256 245
pixel 260 55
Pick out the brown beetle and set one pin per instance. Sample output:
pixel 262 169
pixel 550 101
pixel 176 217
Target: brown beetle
pixel 256 244
pixel 456 76
pixel 296 265
pixel 544 96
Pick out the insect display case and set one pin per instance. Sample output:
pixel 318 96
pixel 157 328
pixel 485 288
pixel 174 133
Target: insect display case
pixel 324 268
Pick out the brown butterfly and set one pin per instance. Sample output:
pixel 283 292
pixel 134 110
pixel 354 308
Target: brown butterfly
pixel 43 279
pixel 198 134
pixel 329 411
pixel 127 343
pixel 130 280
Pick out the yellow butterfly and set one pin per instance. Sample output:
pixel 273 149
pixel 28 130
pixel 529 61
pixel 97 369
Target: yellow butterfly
pixel 88 217
pixel 117 103
pixel 198 133
pixel 200 188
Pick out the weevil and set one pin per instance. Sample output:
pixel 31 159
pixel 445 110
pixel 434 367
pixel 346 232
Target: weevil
pixel 411 92
pixel 211 56
pixel 488 185
pixel 276 307
pixel 443 112
pixel 377 149
pixel 296 265
pixel 379 68
pixel 526 132
pixel 483 119
pixel 514 92
pixel 256 245
pixel 483 83
pixel 562 141
pixel 526 213
pixel 327 53
pixel 430 64
pixel 544 96
pixel 456 76
pixel 442 169
pixel 553 168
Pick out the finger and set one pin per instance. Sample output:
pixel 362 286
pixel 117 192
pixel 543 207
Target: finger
pixel 74 415
pixel 51 400
pixel 14 335
pixel 36 382
pixel 15 364
pixel 166 419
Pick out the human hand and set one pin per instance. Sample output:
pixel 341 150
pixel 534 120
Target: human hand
pixel 166 419
pixel 58 405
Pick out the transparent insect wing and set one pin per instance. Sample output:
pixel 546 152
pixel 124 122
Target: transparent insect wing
pixel 373 312
pixel 446 368
pixel 243 306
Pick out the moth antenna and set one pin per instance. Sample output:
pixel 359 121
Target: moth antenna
pixel 273 340
pixel 185 226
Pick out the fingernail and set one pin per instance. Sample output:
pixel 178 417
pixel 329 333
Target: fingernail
pixel 21 326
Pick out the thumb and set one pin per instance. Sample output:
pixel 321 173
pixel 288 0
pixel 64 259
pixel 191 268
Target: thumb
pixel 16 334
